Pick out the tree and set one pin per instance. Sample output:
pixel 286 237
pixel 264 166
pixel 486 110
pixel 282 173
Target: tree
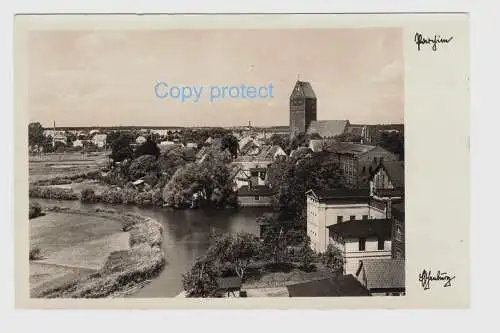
pixel 316 171
pixel 230 143
pixel 236 252
pixel 145 165
pixel 200 280
pixel 35 135
pixel 148 148
pixel 333 259
pixel 306 254
pixel 391 141
pixel 282 140
pixel 120 147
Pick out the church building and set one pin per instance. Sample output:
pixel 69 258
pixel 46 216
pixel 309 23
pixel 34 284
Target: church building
pixel 303 113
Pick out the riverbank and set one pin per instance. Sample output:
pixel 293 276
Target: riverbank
pixel 73 265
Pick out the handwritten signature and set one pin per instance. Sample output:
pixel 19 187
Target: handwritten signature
pixel 426 277
pixel 421 40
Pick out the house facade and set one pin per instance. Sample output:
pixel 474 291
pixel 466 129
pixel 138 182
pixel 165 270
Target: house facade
pixel 359 161
pixel 255 196
pixel 360 240
pixel 325 209
pixel 99 140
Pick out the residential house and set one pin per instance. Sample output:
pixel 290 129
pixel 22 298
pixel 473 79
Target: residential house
pixel 99 140
pixel 255 196
pixel 189 154
pixel 59 136
pixel 208 141
pixel 251 148
pixel 140 140
pixel 388 180
pixel 78 143
pixel 358 161
pixel 245 140
pixel 338 286
pixel 240 177
pixel 382 277
pixel 326 208
pixel 275 152
pixel 360 240
pixel 167 143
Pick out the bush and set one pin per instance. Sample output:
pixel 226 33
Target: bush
pixel 54 193
pixel 111 195
pixel 64 180
pixel 35 254
pixel 88 195
pixel 35 210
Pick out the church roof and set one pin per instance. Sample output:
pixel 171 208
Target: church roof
pixel 306 89
pixel 328 128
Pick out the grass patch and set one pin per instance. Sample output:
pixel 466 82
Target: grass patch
pixel 122 269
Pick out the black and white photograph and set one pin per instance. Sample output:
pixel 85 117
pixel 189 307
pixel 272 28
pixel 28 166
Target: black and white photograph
pixel 216 163
pixel 242 161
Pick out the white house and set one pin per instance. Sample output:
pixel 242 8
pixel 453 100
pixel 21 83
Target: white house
pixel 361 240
pixel 140 140
pixel 337 206
pixel 78 143
pixel 99 140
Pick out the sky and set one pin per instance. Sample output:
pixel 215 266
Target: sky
pixel 108 78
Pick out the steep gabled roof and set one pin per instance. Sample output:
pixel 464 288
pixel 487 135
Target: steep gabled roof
pixel 384 273
pixel 263 190
pixel 396 172
pixel 328 128
pixel 349 148
pixel 304 90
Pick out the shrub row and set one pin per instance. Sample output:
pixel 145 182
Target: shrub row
pixel 64 180
pixel 52 193
pixel 131 196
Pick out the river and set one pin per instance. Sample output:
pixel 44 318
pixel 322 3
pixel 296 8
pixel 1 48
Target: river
pixel 186 237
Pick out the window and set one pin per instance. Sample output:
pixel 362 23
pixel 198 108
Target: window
pixel 374 160
pixel 362 244
pixel 352 217
pixel 365 217
pixel 364 169
pixel 257 198
pixel 380 243
pixel 339 219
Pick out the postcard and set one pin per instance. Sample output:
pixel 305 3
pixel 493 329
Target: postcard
pixel 242 161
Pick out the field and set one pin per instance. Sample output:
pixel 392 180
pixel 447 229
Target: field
pixel 72 246
pixel 67 164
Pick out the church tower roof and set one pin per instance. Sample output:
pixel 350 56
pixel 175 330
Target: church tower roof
pixel 304 89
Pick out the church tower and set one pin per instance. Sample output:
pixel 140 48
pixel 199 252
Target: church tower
pixel 302 108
